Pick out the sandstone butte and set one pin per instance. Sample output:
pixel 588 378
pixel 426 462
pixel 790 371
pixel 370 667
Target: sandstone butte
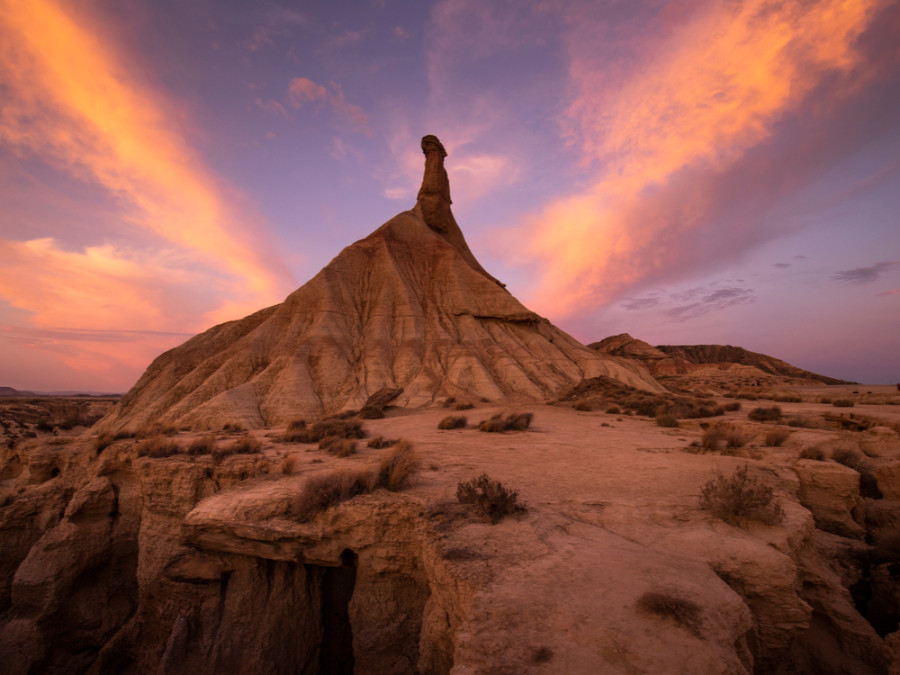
pixel 408 308
pixel 182 551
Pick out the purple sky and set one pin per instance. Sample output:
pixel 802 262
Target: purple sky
pixel 687 172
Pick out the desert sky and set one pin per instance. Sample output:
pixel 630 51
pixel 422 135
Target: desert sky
pixel 689 172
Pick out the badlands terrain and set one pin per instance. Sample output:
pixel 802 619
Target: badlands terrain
pixel 401 469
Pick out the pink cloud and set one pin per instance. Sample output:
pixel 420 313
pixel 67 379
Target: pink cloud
pixel 302 90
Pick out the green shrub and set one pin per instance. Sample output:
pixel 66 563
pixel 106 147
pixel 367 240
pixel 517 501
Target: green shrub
pixel 740 497
pixel 771 414
pixel 491 499
pixel 453 423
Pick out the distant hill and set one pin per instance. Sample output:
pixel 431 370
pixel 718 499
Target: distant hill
pixel 9 391
pixel 706 360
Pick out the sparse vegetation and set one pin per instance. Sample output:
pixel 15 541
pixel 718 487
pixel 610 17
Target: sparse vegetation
pixel 713 439
pixel 202 445
pixel 613 410
pixel 492 500
pixel 337 446
pixel 234 428
pixel 380 442
pixel 299 432
pixel 786 398
pixel 812 453
pixel 514 422
pixel 398 467
pixel 683 612
pixel 776 437
pixel 157 447
pixel 843 403
pixel 604 393
pixel 667 421
pixel 464 406
pixel 370 412
pixel 732 407
pixel 287 465
pixel 583 406
pixel 771 414
pixel 246 445
pixel 740 497
pixel 453 423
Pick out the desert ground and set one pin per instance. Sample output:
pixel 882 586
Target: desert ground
pixel 613 565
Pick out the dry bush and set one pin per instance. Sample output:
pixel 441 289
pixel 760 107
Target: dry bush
pixel 825 399
pixel 854 459
pixel 234 428
pixel 667 421
pixel 370 412
pixel 843 403
pixel 453 423
pixel 380 442
pixel 246 445
pixel 771 414
pixel 158 446
pixel 801 423
pixel 339 447
pixel 325 490
pixel 583 406
pixel 731 407
pixel 735 439
pixel 812 453
pixel 492 500
pixel 464 406
pixel 155 429
pixel 786 398
pixel 613 410
pixel 713 439
pixel 203 445
pixel 398 467
pixel 287 465
pixel 541 655
pixel 450 401
pixel 513 422
pixel 684 612
pixel 300 432
pixel 740 497
pixel 776 437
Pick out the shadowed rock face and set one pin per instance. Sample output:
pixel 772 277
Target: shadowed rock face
pixel 408 307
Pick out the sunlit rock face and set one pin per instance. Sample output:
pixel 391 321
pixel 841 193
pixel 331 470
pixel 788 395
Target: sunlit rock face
pixel 408 307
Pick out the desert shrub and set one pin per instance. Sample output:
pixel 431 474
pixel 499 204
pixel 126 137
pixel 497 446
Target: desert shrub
pixel 287 465
pixel 666 421
pixel 341 428
pixel 450 401
pixel 337 446
pixel 370 412
pixel 684 612
pixel 453 423
pixel 103 441
pixel 732 407
pixel 800 423
pixel 735 439
pixel 380 442
pixel 786 398
pixel 776 437
pixel 325 490
pixel 825 399
pixel 203 445
pixel 765 414
pixel 541 655
pixel 234 428
pixel 157 446
pixel 843 403
pixel 613 410
pixel 513 422
pixel 464 406
pixel 492 500
pixel 246 445
pixel 812 453
pixel 583 406
pixel 713 439
pixel 740 497
pixel 398 467
pixel 868 483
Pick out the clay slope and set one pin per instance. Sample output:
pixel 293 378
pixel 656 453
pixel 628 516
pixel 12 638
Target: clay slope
pixel 407 307
pixel 707 360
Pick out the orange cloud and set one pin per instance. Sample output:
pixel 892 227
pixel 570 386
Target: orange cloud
pixel 713 88
pixel 70 100
pixel 302 90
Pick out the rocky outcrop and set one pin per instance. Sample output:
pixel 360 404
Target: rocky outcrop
pixel 408 307
pixel 831 492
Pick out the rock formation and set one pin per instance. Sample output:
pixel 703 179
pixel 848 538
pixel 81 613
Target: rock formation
pixel 408 307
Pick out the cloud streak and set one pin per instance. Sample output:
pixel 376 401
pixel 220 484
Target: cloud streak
pixel 658 132
pixel 302 91
pixel 864 275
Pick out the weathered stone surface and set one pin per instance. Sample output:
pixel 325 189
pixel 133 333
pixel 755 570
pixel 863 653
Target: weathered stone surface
pixel 888 477
pixel 831 492
pixel 408 307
